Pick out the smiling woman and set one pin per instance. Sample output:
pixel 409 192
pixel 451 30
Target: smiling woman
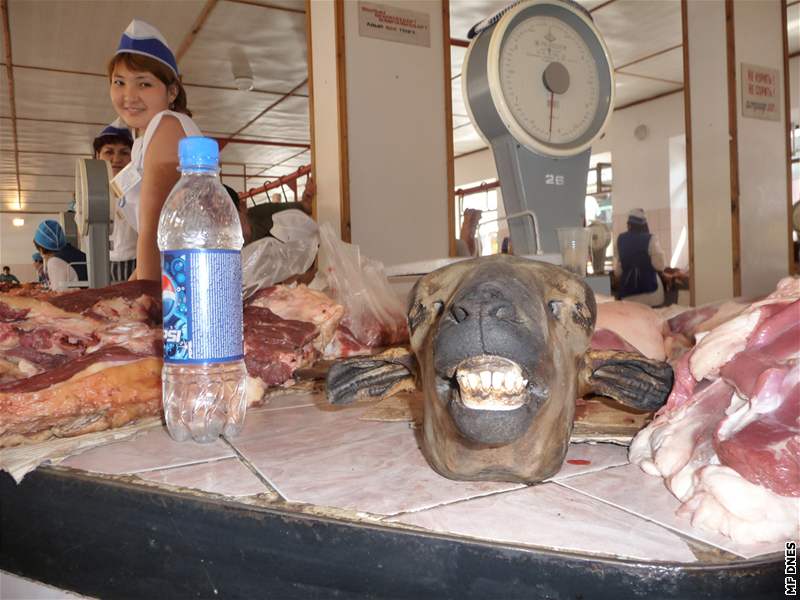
pixel 145 88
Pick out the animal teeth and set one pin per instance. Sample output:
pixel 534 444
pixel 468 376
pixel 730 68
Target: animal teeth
pixel 486 379
pixel 474 380
pixel 497 380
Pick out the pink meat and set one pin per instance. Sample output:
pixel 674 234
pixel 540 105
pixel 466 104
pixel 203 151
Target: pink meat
pixel 605 339
pixel 637 324
pixel 766 450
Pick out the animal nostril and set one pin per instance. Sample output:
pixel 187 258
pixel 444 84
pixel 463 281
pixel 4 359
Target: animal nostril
pixel 459 313
pixel 504 311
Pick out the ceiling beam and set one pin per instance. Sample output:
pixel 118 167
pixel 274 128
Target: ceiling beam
pixel 222 141
pixel 603 5
pixel 269 108
pixel 268 5
pixel 649 56
pixel 10 76
pixel 649 77
pixel 185 83
pixel 196 27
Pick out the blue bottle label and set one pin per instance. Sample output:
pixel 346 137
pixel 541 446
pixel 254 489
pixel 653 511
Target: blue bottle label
pixel 201 294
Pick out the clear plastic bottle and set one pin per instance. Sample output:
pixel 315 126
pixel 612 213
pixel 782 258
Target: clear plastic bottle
pixel 200 238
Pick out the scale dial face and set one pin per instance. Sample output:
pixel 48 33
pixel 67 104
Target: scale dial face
pixel 549 80
pixel 550 77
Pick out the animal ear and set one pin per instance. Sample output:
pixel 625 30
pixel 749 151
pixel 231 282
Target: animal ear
pixel 628 377
pixel 573 303
pixel 378 376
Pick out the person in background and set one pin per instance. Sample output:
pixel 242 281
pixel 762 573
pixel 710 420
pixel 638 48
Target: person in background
pixel 38 264
pixel 638 259
pixel 505 246
pixel 63 262
pixel 276 198
pixel 148 96
pixel 241 208
pixel 468 244
pixel 7 276
pixel 113 145
pixel 260 216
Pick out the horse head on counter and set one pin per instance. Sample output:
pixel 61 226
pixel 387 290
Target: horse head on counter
pixel 500 349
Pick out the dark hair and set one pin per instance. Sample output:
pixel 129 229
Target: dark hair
pixel 6 268
pixel 139 62
pixel 638 227
pixel 105 140
pixel 233 194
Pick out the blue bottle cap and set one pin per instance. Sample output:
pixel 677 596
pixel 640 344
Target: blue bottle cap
pixel 196 151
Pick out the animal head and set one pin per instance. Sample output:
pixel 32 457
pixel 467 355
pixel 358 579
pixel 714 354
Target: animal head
pixel 499 341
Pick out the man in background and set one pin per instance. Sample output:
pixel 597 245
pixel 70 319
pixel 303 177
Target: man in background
pixel 113 145
pixel 7 276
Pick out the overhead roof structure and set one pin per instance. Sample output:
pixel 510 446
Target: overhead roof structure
pixel 54 89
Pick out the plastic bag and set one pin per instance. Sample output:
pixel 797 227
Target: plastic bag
pixel 292 225
pixel 374 314
pixel 269 260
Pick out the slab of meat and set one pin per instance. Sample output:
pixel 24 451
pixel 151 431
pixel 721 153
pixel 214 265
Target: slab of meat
pixel 300 303
pixel 637 324
pixel 108 388
pixel 89 360
pixel 727 443
pixel 274 347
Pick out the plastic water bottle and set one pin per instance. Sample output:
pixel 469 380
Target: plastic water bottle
pixel 200 238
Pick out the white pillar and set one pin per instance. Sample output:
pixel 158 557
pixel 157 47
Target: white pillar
pixel 763 207
pixel 739 213
pixel 386 174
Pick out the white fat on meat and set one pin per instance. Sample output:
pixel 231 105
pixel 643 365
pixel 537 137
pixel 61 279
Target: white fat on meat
pixel 300 303
pixel 724 502
pixel 667 445
pixel 720 345
pixel 639 325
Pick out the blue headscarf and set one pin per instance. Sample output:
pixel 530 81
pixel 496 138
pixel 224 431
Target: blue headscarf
pixel 37 257
pixel 50 236
pixel 142 38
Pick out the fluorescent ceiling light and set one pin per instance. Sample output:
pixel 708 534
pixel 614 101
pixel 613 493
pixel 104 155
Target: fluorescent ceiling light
pixel 18 221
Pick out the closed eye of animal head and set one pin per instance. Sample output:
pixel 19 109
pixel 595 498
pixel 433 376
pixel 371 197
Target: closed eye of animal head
pixel 555 307
pixel 419 313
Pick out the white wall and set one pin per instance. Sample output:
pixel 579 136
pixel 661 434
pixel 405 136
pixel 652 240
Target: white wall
pixel 641 168
pixel 397 142
pixel 763 219
pixel 16 243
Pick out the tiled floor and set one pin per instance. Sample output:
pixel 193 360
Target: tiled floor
pixel 228 477
pixel 552 516
pixel 151 450
pixel 651 500
pixel 312 453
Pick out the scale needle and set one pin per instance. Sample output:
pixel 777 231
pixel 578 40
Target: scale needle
pixel 550 132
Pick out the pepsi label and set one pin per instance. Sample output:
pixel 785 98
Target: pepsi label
pixel 201 295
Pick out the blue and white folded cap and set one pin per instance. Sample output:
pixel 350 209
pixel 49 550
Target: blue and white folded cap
pixel 37 257
pixel 637 216
pixel 116 128
pixel 142 38
pixel 50 236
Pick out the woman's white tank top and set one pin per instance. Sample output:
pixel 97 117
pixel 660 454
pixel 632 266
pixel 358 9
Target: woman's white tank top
pixel 129 203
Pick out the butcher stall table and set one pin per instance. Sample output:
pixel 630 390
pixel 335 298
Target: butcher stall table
pixel 312 501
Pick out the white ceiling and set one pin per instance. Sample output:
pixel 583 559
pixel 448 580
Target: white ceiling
pixel 60 47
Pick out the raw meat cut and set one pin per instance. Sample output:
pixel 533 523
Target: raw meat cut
pixel 300 303
pixel 639 325
pixel 69 362
pixel 727 443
